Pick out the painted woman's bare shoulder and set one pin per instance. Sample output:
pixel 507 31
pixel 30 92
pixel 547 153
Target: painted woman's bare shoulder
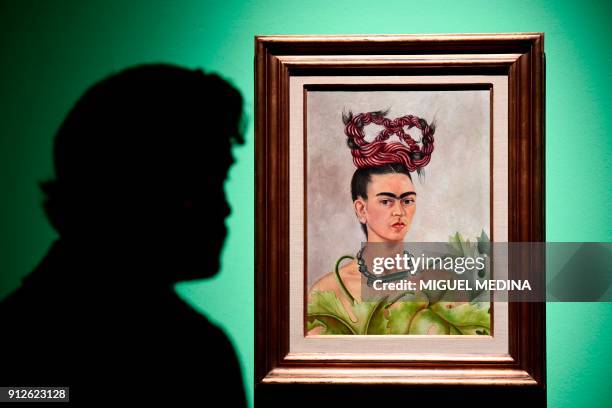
pixel 348 273
pixel 326 282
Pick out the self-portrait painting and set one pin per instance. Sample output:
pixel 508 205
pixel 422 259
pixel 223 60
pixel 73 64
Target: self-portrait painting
pixel 405 147
pixel 392 167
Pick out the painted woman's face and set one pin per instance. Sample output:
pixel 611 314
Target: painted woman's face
pixel 389 207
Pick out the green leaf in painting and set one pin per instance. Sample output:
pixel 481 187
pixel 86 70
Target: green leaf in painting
pixel 427 322
pixel 463 313
pixel 484 246
pixel 327 308
pixel 401 313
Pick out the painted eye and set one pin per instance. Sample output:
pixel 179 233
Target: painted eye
pixel 409 201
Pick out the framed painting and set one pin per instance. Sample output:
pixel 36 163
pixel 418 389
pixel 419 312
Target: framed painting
pixel 367 141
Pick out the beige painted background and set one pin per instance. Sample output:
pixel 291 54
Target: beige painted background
pixel 454 195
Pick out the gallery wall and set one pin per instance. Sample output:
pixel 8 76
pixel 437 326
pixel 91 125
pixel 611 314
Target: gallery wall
pixel 50 52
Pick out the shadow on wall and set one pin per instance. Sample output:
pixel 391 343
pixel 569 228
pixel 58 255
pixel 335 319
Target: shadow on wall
pixel 138 202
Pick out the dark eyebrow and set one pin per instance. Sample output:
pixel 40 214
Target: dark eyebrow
pixel 407 193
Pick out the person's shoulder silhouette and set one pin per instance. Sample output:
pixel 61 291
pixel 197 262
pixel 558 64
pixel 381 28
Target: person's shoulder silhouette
pixel 138 203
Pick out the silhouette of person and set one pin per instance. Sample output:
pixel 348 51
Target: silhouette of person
pixel 138 202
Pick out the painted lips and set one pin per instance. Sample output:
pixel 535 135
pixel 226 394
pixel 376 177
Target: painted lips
pixel 398 225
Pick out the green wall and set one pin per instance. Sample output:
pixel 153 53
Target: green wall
pixel 51 51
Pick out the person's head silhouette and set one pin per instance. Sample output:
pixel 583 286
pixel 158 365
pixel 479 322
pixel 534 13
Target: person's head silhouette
pixel 139 203
pixel 140 164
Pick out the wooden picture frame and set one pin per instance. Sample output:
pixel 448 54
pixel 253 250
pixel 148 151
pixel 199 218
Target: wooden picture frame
pixel 519 58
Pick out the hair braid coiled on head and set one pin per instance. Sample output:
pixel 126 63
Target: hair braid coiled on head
pixel 380 152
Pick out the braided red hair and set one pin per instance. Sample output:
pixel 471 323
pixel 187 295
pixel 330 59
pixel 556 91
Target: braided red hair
pixel 380 152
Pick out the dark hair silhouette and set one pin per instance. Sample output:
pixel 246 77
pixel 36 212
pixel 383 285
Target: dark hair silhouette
pixel 157 122
pixel 138 202
pixel 363 176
